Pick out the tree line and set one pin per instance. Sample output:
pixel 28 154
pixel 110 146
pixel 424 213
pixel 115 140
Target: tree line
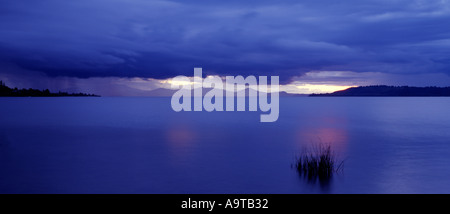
pixel 6 91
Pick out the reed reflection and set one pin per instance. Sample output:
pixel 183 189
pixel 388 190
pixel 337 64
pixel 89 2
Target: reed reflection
pixel 321 154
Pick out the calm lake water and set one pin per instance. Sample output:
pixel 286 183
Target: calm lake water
pixel 140 145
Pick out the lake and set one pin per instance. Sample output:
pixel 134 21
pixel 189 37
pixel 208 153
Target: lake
pixel 140 145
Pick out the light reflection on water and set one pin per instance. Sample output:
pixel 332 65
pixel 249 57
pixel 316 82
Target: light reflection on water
pixel 139 145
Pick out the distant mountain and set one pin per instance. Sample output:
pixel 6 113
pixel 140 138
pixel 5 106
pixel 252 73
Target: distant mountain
pixel 162 92
pixel 389 91
pixel 6 91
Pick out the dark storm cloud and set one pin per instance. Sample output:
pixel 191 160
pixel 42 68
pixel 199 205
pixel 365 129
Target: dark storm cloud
pixel 161 39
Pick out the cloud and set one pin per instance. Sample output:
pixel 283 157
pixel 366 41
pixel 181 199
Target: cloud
pixel 350 78
pixel 104 86
pixel 162 39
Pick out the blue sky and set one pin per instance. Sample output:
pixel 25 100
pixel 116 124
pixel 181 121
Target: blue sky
pixel 126 47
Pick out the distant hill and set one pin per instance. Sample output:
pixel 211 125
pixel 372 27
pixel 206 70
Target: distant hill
pixel 162 92
pixel 389 91
pixel 6 91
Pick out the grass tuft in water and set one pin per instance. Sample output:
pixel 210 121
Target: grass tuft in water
pixel 318 162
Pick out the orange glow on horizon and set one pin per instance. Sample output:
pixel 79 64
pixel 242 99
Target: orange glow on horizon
pixel 293 88
pixel 310 88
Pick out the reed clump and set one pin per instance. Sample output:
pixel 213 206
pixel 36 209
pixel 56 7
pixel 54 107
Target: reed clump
pixel 319 161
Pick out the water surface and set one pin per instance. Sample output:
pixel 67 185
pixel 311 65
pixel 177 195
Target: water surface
pixel 140 145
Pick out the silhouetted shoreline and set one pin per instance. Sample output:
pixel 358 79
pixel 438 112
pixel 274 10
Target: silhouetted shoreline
pixel 389 91
pixel 6 91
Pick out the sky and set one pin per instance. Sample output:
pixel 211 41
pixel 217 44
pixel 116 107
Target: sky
pixel 131 47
